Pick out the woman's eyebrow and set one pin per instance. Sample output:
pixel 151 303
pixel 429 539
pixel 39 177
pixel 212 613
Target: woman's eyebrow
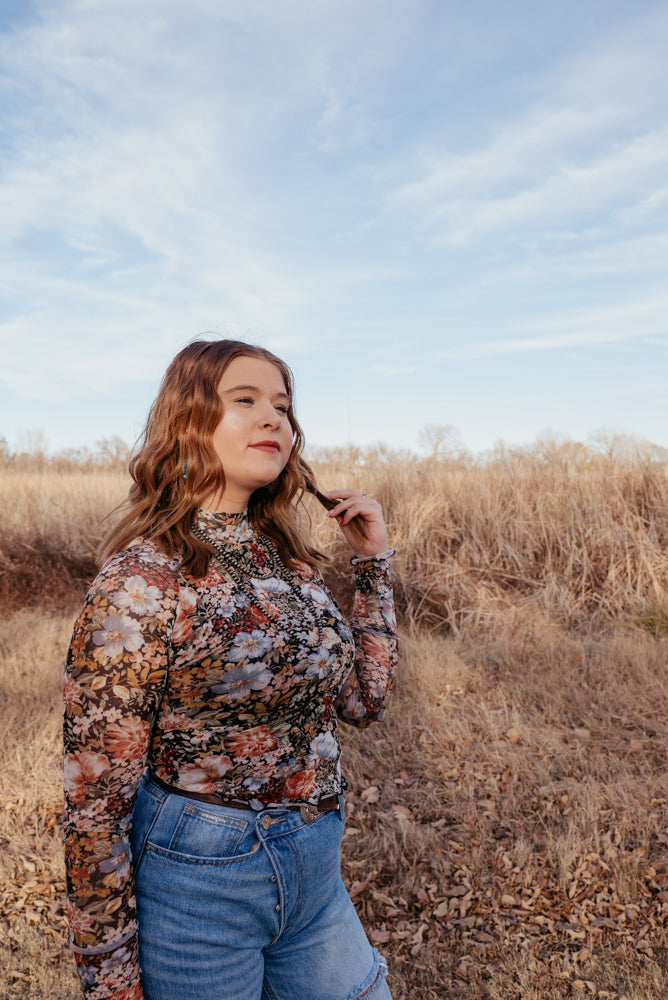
pixel 252 388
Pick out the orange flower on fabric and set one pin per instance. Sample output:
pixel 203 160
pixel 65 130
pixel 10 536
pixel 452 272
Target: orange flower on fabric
pixel 300 785
pixel 128 738
pixel 252 743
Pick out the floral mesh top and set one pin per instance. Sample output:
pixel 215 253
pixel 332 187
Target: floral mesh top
pixel 229 683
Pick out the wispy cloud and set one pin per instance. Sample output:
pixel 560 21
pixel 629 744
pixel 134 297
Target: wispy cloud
pixel 635 320
pixel 592 146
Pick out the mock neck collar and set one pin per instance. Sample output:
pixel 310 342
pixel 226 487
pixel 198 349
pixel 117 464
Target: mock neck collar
pixel 221 517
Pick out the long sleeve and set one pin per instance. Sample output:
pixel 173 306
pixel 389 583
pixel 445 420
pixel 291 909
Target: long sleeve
pixel 362 698
pixel 115 675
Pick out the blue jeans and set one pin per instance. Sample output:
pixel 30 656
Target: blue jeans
pixel 238 905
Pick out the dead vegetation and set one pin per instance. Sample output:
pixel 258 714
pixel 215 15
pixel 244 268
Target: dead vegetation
pixel 507 831
pixel 511 819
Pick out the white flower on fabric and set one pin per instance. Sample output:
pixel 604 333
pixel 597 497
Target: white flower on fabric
pixel 138 596
pixel 315 593
pixel 118 633
pixel 89 815
pixel 325 746
pixel 244 532
pixel 249 645
pixel 114 934
pixel 330 638
pixel 320 663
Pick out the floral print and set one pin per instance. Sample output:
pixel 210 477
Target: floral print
pixel 118 633
pixel 230 684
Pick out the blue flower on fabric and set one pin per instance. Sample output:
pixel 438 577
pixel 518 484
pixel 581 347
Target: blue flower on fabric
pixel 320 663
pixel 272 585
pixel 118 860
pixel 315 593
pixel 226 608
pixel 249 645
pixel 325 747
pixel 116 961
pixel 239 682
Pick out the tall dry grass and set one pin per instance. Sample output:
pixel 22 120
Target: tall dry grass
pixel 52 522
pixel 576 536
pixel 33 959
pixel 571 534
pixel 507 829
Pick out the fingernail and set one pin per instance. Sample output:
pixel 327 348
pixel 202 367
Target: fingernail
pixel 341 520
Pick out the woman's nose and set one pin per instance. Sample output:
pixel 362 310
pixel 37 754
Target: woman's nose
pixel 271 417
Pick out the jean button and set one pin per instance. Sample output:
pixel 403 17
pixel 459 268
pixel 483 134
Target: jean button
pixel 277 907
pixel 265 822
pixel 272 878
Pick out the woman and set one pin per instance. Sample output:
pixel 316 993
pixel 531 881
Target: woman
pixel 205 675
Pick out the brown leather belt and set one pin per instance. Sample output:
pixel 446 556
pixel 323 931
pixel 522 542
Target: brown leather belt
pixel 309 810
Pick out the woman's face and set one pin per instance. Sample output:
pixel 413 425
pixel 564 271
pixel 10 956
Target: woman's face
pixel 254 438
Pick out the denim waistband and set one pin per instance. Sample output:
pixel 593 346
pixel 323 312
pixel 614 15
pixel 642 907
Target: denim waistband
pixel 309 810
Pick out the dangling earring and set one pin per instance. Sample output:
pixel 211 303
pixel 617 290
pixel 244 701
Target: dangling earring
pixel 184 472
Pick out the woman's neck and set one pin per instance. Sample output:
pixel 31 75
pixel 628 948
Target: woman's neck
pixel 225 503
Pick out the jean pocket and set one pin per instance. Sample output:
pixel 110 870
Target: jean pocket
pixel 201 834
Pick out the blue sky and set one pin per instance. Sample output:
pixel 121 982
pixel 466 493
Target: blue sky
pixel 436 212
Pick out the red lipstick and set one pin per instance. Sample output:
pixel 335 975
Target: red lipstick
pixel 270 446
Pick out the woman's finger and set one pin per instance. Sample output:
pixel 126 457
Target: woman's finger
pixel 344 497
pixel 366 509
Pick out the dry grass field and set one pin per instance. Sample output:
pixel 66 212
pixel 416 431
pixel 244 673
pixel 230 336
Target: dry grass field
pixel 507 831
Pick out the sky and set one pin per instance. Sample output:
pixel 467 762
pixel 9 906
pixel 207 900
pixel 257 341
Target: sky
pixel 436 211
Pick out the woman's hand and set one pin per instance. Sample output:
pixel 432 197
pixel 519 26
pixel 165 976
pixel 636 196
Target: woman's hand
pixel 361 521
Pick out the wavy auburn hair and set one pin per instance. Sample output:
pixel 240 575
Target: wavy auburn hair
pixel 161 504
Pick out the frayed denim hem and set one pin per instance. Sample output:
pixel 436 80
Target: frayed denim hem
pixel 378 988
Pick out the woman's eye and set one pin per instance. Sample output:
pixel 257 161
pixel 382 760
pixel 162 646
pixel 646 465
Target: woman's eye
pixel 245 399
pixel 282 409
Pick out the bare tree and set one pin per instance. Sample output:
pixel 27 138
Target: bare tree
pixel 441 441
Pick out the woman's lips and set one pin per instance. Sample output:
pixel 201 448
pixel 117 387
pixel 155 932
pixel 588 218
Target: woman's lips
pixel 270 446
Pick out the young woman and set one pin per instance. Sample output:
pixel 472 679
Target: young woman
pixel 207 669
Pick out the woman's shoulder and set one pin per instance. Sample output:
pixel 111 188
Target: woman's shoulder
pixel 306 571
pixel 140 560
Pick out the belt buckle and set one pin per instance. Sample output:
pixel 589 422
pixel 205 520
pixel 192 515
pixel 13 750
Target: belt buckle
pixel 309 812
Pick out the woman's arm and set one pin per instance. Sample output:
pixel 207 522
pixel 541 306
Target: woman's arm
pixel 115 676
pixel 361 700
